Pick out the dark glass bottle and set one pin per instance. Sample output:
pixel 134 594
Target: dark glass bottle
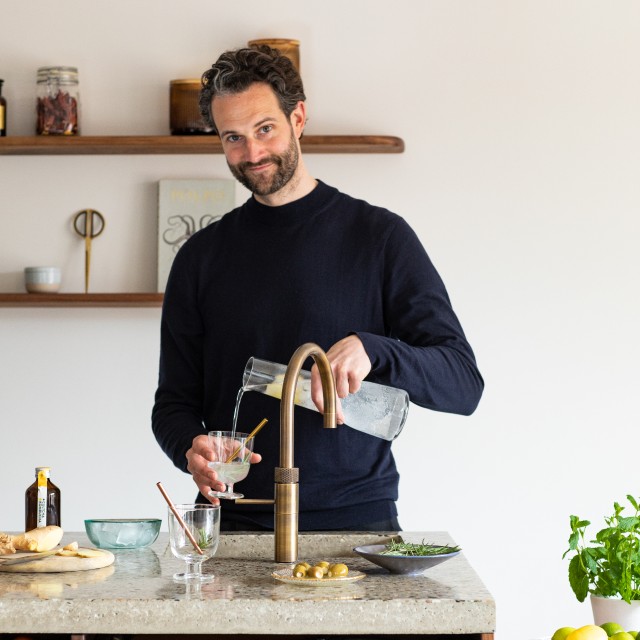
pixel 42 501
pixel 3 113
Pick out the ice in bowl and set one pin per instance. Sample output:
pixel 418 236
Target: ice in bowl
pixel 123 533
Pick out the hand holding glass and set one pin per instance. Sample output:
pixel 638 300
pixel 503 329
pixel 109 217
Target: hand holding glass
pixel 203 521
pixel 232 455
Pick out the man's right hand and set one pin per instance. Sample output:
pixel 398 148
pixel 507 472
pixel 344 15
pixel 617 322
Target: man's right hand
pixel 198 458
pixel 206 479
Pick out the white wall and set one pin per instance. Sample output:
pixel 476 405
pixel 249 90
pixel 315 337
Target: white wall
pixel 521 122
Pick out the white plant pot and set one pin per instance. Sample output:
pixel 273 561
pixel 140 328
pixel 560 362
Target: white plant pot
pixel 616 610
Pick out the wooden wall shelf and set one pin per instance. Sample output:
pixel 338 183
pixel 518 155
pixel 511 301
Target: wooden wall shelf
pixel 156 145
pixel 81 299
pixel 152 145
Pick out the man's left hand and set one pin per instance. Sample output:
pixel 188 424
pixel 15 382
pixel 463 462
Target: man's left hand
pixel 350 365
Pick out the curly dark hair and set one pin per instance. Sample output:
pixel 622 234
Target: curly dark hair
pixel 235 71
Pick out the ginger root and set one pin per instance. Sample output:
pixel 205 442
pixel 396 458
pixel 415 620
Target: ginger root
pixel 6 544
pixel 89 553
pixel 40 539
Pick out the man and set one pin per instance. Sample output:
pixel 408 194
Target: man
pixel 299 262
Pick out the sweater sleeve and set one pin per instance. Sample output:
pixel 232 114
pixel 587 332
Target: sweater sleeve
pixel 177 415
pixel 424 350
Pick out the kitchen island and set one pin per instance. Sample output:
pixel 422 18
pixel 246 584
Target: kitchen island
pixel 138 596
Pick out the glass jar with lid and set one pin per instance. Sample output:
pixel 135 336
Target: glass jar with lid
pixel 57 101
pixel 184 110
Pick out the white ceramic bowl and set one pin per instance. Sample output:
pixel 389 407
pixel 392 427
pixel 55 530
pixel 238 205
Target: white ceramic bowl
pixel 42 279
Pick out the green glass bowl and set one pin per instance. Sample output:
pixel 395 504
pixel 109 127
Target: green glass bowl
pixel 124 533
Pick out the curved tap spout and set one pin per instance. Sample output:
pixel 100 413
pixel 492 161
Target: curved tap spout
pixel 286 475
pixel 303 352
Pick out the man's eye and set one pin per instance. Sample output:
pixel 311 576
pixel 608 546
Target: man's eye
pixel 233 138
pixel 266 129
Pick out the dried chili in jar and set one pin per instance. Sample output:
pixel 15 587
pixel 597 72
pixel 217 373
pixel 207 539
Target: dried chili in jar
pixel 57 101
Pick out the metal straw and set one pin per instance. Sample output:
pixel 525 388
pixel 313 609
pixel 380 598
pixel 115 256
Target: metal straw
pixel 179 519
pixel 253 433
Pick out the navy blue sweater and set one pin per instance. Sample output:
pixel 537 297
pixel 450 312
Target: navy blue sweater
pixel 264 280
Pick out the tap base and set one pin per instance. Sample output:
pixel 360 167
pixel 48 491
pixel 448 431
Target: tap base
pixel 286 522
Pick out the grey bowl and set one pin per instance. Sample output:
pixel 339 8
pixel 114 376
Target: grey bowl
pixel 405 565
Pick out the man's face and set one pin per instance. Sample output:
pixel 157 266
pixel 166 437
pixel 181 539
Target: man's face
pixel 258 140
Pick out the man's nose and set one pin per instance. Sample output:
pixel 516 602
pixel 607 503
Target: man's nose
pixel 254 150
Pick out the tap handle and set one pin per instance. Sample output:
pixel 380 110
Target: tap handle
pixel 286 475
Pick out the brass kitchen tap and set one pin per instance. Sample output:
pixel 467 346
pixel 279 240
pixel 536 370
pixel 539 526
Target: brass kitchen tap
pixel 286 475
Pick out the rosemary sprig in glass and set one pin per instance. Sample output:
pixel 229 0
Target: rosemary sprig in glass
pixel 203 539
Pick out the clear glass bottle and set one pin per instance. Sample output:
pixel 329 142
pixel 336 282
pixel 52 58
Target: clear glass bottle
pixel 3 113
pixel 374 409
pixel 42 501
pixel 58 98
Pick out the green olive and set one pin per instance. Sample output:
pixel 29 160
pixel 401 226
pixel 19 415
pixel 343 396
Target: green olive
pixel 338 570
pixel 324 565
pixel 300 570
pixel 315 572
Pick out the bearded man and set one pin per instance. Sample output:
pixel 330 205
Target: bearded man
pixel 298 262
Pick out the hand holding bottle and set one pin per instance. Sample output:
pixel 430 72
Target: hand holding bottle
pixel 350 365
pixel 374 409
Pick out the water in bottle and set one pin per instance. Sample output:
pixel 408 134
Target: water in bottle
pixel 374 409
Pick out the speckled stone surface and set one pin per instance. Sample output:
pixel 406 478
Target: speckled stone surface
pixel 137 594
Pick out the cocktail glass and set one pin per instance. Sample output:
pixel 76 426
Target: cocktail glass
pixel 203 521
pixel 231 453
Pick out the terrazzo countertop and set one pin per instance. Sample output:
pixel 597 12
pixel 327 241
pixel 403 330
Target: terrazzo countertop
pixel 137 594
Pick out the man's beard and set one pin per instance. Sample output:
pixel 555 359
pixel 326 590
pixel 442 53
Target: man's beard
pixel 264 185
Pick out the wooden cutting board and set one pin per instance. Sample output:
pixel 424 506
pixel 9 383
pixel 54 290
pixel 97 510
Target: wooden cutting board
pixel 56 564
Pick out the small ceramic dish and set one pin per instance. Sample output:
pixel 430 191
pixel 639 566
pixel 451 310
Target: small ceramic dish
pixel 286 575
pixel 405 565
pixel 42 279
pixel 123 533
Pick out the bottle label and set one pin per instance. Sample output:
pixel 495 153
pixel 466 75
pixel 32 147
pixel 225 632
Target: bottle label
pixel 41 509
pixel 1 117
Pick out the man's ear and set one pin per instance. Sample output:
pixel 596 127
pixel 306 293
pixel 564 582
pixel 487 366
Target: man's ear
pixel 298 118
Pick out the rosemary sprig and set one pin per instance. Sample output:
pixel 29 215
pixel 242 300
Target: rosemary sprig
pixel 400 548
pixel 203 539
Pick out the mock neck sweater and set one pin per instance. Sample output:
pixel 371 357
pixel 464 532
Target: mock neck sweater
pixel 263 280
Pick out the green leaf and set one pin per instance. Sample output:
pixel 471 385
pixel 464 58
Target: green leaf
pixel 604 534
pixel 605 586
pixel 578 579
pixel 628 524
pixel 576 523
pixel 574 539
pixel 590 559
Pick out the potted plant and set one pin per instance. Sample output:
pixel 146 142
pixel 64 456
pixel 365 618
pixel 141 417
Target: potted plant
pixel 608 567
